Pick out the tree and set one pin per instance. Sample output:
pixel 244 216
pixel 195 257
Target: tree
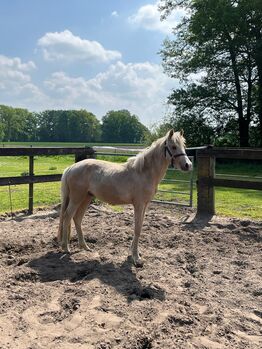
pixel 68 126
pixel 197 131
pixel 122 127
pixel 46 121
pixel 16 124
pixel 215 42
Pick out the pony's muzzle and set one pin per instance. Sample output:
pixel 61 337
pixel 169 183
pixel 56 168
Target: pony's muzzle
pixel 187 166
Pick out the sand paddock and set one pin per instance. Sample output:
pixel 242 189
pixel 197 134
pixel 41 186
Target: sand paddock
pixel 200 287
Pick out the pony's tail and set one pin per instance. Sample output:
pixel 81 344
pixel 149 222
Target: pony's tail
pixel 64 202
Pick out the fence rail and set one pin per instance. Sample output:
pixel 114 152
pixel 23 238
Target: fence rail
pixel 231 153
pixel 34 151
pixel 31 179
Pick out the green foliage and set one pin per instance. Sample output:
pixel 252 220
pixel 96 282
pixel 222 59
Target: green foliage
pixel 157 131
pixel 16 124
pixel 122 127
pixel 80 126
pixel 196 130
pixel 68 125
pixel 221 41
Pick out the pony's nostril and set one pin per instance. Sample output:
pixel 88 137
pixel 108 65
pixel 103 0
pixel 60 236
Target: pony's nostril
pixel 186 166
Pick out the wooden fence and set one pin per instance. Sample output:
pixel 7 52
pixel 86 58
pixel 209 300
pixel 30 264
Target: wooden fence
pixel 80 154
pixel 207 181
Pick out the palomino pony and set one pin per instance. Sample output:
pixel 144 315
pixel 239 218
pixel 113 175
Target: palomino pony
pixel 134 182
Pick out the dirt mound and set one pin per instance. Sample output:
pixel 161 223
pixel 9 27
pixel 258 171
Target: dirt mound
pixel 200 287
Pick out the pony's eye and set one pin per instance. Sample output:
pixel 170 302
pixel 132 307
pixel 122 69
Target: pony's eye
pixel 174 147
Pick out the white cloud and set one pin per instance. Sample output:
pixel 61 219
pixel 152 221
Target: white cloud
pixel 114 14
pixel 139 87
pixel 14 75
pixel 15 64
pixel 64 46
pixel 16 86
pixel 148 17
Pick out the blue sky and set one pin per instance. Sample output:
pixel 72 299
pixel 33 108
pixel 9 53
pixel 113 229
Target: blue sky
pixel 97 55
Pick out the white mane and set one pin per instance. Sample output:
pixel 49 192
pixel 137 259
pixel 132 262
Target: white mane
pixel 147 156
pixel 138 162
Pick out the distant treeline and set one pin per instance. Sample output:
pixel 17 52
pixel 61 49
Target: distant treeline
pixel 21 125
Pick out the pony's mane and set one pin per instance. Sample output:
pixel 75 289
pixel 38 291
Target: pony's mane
pixel 139 161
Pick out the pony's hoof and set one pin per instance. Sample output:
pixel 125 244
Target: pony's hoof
pixel 65 249
pixel 85 247
pixel 138 263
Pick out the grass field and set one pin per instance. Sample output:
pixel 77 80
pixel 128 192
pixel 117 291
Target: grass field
pixel 230 202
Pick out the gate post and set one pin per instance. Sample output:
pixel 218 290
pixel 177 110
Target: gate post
pixel 205 187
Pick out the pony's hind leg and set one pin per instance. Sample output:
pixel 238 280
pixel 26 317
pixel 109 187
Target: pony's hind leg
pixel 78 217
pixel 68 215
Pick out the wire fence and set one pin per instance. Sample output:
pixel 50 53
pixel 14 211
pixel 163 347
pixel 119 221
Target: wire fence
pixel 15 197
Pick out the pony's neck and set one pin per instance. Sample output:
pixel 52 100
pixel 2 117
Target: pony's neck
pixel 158 162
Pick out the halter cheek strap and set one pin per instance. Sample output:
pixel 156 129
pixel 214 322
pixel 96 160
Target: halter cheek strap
pixel 173 156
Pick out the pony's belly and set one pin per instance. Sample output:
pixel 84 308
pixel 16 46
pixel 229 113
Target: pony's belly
pixel 114 199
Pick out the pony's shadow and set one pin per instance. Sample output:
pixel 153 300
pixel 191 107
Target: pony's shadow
pixel 54 266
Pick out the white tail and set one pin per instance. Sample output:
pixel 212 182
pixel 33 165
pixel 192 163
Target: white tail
pixel 64 202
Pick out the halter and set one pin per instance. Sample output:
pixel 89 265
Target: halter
pixel 173 156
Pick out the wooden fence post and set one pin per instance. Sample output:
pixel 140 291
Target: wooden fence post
pixel 31 186
pixel 205 187
pixel 84 155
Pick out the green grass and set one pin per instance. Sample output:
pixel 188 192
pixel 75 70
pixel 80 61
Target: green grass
pixel 239 203
pixel 11 166
pixel 230 202
pixel 45 194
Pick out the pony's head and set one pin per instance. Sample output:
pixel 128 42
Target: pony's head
pixel 175 150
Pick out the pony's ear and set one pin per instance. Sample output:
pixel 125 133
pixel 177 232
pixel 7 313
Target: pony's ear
pixel 182 132
pixel 170 133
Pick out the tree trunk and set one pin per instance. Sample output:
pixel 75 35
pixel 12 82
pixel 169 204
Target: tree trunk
pixel 243 133
pixel 260 100
pixel 260 108
pixel 258 60
pixel 242 122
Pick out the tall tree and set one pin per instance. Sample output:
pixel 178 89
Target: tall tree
pixel 122 127
pixel 213 41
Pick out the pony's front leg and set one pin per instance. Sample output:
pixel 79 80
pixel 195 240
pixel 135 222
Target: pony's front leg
pixel 139 211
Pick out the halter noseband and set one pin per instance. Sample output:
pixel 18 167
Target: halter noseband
pixel 173 156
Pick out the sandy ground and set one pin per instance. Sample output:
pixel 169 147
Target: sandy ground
pixel 200 287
